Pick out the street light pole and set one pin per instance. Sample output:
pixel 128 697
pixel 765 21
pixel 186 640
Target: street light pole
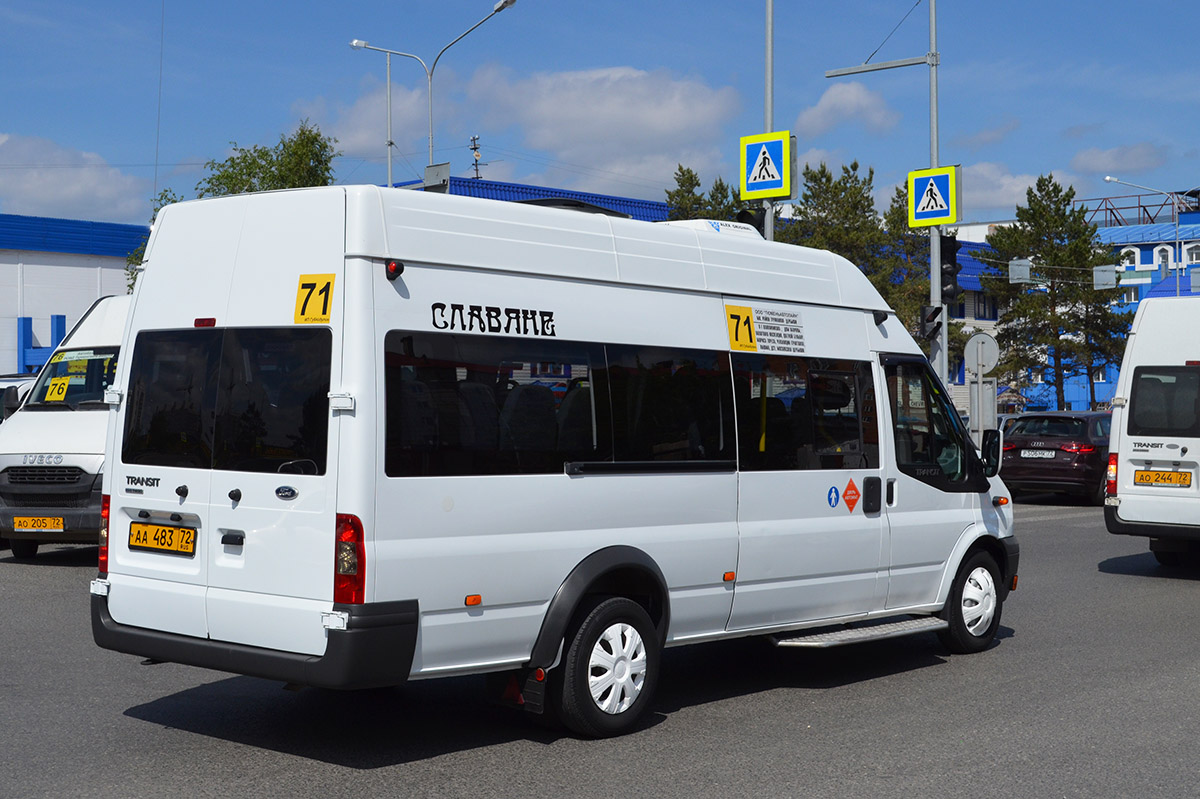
pixel 359 44
pixel 1178 251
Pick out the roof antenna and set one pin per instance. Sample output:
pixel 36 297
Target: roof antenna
pixel 475 150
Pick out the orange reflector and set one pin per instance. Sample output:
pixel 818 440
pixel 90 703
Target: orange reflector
pixel 474 599
pixel 729 576
pixel 1014 585
pixel 539 675
pixel 1000 502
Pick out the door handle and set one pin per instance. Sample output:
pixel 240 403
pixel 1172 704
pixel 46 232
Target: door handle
pixel 233 538
pixel 872 497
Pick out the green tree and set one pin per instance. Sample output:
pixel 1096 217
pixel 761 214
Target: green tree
pixel 303 159
pixel 134 260
pixel 1060 322
pixel 686 201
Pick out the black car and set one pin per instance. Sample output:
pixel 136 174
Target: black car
pixel 1061 451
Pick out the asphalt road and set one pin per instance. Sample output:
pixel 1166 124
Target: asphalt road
pixel 1090 691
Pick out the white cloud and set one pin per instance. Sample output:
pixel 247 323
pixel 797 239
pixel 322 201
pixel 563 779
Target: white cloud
pixel 990 190
pixel 846 102
pixel 618 129
pixel 42 178
pixel 1133 158
pixel 988 136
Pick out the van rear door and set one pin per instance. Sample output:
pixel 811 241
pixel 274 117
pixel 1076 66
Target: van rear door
pixel 1159 451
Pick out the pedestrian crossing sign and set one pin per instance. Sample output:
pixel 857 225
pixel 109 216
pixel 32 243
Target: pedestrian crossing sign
pixel 933 196
pixel 768 166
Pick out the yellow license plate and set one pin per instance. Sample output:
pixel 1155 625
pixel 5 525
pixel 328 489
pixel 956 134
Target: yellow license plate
pixel 159 538
pixel 49 524
pixel 1158 477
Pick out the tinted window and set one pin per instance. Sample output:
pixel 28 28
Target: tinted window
pixel 1050 427
pixel 252 400
pixel 273 401
pixel 931 444
pixel 459 405
pixel 168 416
pixel 670 404
pixel 805 413
pixel 75 379
pixel 1165 401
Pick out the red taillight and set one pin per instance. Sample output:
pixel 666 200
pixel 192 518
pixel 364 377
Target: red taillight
pixel 207 321
pixel 1110 485
pixel 1009 447
pixel 1075 446
pixel 349 562
pixel 103 564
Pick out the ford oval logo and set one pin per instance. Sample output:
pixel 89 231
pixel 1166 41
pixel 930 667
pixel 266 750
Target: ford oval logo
pixel 286 492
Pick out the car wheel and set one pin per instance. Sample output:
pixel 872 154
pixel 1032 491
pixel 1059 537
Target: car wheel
pixel 1172 560
pixel 1101 491
pixel 609 671
pixel 973 607
pixel 23 548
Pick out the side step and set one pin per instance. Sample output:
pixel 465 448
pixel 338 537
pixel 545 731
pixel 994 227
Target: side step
pixel 824 637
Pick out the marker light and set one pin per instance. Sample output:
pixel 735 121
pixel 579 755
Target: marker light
pixel 205 322
pixel 474 600
pixel 350 562
pixel 393 269
pixel 729 576
pixel 103 563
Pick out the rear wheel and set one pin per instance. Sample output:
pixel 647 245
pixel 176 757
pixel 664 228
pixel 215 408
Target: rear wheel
pixel 973 607
pixel 609 670
pixel 23 548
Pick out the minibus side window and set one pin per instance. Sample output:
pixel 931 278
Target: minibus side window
pixel 805 413
pixel 171 380
pixel 1165 401
pixel 670 404
pixel 930 442
pixel 479 405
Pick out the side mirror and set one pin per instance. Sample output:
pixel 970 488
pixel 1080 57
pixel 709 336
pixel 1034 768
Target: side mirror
pixel 12 401
pixel 990 452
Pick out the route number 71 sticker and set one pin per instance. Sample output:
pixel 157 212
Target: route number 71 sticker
pixel 314 299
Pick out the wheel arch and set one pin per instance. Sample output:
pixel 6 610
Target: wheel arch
pixel 613 571
pixel 1003 550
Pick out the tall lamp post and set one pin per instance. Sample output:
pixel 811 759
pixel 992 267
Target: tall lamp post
pixel 359 44
pixel 1178 252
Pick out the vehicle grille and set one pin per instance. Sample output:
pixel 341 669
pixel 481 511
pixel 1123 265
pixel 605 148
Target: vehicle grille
pixel 47 500
pixel 43 475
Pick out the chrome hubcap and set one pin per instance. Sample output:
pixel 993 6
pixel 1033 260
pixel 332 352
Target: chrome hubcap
pixel 617 668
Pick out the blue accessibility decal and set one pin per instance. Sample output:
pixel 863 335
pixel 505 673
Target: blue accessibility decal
pixel 833 496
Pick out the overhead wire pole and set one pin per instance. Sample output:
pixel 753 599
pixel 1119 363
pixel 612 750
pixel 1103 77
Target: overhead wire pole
pixel 939 345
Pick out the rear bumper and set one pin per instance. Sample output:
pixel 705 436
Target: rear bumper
pixel 374 651
pixel 1118 526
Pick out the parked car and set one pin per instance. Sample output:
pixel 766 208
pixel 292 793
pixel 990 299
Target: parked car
pixel 1005 421
pixel 1058 451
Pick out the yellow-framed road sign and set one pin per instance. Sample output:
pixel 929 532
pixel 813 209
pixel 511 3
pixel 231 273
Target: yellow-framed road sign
pixel 767 166
pixel 933 196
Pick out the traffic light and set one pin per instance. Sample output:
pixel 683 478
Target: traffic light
pixel 755 217
pixel 951 291
pixel 930 324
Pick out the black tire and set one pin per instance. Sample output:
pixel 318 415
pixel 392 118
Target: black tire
pixel 23 548
pixel 1172 560
pixel 622 700
pixel 1097 496
pixel 973 607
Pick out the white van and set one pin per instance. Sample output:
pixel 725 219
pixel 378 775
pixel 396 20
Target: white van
pixel 1154 450
pixel 52 446
pixel 366 435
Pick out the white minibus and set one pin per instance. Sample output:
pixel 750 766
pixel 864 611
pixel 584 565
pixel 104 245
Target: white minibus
pixel 1154 449
pixel 52 443
pixel 363 435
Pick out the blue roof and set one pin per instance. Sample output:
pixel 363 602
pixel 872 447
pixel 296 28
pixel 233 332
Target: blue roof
pixel 645 210
pixel 972 268
pixel 1166 286
pixel 46 234
pixel 1147 234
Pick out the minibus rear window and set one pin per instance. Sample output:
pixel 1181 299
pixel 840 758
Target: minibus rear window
pixel 1165 401
pixel 236 399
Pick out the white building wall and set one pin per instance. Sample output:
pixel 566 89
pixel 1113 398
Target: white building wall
pixel 41 284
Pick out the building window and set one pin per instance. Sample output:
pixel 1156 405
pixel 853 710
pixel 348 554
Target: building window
pixel 1162 257
pixel 1129 294
pixel 985 307
pixel 1193 254
pixel 1036 377
pixel 1100 375
pixel 1130 256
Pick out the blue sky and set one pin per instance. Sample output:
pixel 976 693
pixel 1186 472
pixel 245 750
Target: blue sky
pixel 606 96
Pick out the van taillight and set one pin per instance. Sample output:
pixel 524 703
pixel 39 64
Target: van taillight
pixel 103 564
pixel 1110 485
pixel 349 562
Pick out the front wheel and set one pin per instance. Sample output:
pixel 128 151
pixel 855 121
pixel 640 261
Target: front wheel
pixel 609 671
pixel 973 607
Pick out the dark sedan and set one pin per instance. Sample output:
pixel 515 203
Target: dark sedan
pixel 1064 451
